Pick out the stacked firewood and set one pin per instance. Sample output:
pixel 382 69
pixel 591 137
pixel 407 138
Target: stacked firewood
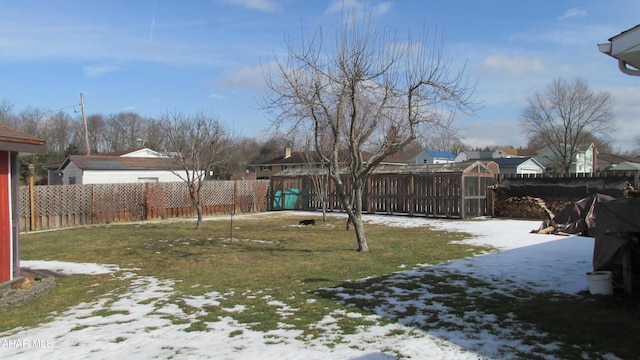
pixel 527 207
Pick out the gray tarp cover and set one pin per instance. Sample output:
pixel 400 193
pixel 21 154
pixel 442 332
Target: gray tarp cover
pixel 578 218
pixel 618 223
pixel 615 224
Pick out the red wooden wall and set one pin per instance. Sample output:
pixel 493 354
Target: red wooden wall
pixel 6 258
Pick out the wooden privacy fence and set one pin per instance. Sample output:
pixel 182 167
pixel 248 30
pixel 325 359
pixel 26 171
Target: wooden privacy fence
pixel 61 206
pixel 454 194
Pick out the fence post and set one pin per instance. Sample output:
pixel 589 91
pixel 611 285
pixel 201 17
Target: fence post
pixel 145 214
pixel 235 196
pixel 32 213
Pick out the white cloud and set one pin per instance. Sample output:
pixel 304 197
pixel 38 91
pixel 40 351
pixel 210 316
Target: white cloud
pixel 247 77
pixel 357 5
pixel 261 5
pixel 98 70
pixel 573 13
pixel 511 65
pixel 483 133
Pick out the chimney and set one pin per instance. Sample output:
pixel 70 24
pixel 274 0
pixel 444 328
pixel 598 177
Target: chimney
pixel 287 152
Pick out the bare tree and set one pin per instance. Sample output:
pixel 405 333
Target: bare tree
pixel 58 131
pixel 566 117
pixel 198 145
pixel 7 117
pixel 444 140
pixel 371 93
pixel 30 120
pixel 124 131
pixel 96 129
pixel 316 170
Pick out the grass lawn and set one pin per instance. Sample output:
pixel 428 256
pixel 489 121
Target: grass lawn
pixel 270 258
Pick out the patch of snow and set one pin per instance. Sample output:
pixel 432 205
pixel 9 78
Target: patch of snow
pixel 139 323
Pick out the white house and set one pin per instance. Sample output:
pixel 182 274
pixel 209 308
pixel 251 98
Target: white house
pixel 519 165
pixel 435 157
pixel 583 162
pixel 142 165
pixel 473 155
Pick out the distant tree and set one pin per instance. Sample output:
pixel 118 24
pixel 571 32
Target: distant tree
pixel 125 131
pixel 272 148
pixel 153 138
pixel 444 140
pixel 243 150
pixel 30 120
pixel 566 117
pixel 57 131
pixel 96 131
pixel 7 117
pixel 603 145
pixel 198 144
pixel 369 91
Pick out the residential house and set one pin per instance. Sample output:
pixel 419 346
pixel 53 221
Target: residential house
pixel 607 161
pixel 142 165
pixel 519 165
pixel 297 161
pixel 510 152
pixel 435 157
pixel 626 166
pixel 465 156
pixel 13 143
pixel 583 162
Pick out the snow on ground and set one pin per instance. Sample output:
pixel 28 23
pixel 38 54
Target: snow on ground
pixel 141 325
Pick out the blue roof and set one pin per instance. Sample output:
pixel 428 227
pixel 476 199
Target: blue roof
pixel 441 154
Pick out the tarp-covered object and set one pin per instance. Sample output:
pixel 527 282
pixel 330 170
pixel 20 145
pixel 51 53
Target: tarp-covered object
pixel 560 189
pixel 618 229
pixel 578 218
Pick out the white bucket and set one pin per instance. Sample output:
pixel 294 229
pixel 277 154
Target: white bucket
pixel 600 283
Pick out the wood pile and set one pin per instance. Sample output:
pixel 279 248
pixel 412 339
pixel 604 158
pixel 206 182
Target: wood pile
pixel 528 207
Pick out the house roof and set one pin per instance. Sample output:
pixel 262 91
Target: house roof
pixel 514 161
pixel 300 157
pixel 120 163
pixel 626 165
pixel 518 152
pixel 441 154
pixel 297 157
pixel 625 47
pixel 612 159
pixel 15 140
pixel 475 155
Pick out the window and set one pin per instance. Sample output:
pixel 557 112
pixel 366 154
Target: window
pixel 72 180
pixel 266 167
pixel 147 179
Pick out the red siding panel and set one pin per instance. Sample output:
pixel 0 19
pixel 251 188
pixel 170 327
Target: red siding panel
pixel 5 218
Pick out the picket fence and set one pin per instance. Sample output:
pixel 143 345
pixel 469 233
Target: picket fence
pixel 60 206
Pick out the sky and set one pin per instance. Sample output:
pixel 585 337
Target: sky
pixel 135 324
pixel 153 56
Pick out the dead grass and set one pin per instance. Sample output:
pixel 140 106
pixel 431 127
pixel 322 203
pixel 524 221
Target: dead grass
pixel 311 268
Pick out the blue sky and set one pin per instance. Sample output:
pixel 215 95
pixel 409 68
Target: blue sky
pixel 155 56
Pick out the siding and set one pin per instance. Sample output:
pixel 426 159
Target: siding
pixel 126 176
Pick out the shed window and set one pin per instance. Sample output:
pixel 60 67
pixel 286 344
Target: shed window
pixel 72 180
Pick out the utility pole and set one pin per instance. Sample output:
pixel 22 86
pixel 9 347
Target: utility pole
pixel 84 121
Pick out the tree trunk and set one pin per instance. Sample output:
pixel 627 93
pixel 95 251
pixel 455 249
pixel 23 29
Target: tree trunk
pixel 362 239
pixel 356 216
pixel 194 194
pixel 199 210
